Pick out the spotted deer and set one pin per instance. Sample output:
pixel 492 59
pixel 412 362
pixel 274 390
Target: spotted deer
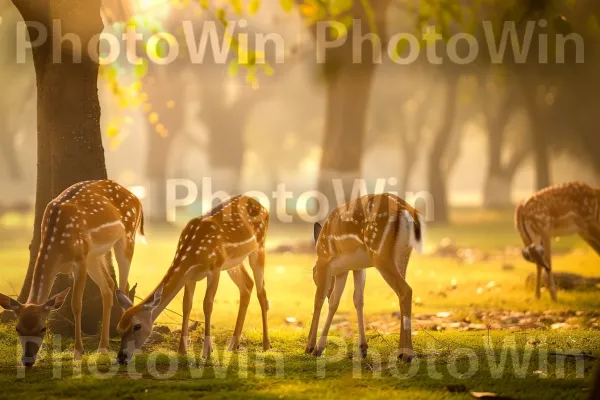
pixel 561 210
pixel 374 230
pixel 79 228
pixel 217 241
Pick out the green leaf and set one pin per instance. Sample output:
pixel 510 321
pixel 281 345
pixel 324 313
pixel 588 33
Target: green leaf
pixel 287 5
pixel 140 70
pixel 237 6
pixel 253 7
pixel 347 20
pixel 233 69
pixel 221 15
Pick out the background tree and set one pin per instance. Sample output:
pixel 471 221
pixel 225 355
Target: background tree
pixel 68 113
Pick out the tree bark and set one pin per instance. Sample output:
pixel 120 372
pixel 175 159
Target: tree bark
pixel 437 173
pixel 166 95
pixel 347 103
pixel 15 172
pixel 226 124
pixel 540 140
pixel 348 89
pixel 498 183
pixel 69 138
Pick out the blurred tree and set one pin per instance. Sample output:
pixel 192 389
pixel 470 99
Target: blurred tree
pixel 499 104
pixel 18 87
pixel 69 139
pixel 348 88
pixel 166 106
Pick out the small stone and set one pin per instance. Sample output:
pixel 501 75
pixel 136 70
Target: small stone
pixel 163 330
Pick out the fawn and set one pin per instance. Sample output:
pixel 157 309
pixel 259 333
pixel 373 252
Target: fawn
pixel 374 230
pixel 218 241
pixel 561 210
pixel 79 228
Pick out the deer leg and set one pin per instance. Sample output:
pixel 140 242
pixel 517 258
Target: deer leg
pixel 240 277
pixel 360 277
pixel 99 274
pixel 79 277
pixel 257 263
pixel 209 300
pixel 537 256
pixel 392 276
pixel 538 282
pixel 591 235
pixel 334 303
pixel 188 302
pixel 547 256
pixel 323 278
pixel 124 249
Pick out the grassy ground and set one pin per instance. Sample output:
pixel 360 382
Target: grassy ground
pixel 467 358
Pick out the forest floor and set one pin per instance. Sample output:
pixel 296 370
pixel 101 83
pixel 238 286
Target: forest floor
pixel 476 328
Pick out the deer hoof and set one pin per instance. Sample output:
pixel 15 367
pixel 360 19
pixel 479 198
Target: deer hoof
pixel 407 358
pixel 317 352
pixel 363 350
pixel 309 350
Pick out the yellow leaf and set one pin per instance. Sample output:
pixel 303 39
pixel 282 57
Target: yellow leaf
pixel 153 118
pixel 253 7
pixel 287 5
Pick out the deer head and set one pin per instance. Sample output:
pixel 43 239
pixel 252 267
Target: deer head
pixel 136 323
pixel 31 322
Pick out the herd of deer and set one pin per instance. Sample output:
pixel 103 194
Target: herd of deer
pixel 91 218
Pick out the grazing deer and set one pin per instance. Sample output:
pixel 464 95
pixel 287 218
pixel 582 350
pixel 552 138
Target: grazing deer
pixel 217 241
pixel 373 230
pixel 556 211
pixel 79 228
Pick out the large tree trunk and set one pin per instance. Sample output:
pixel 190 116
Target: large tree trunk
pixel 166 96
pixel 348 94
pixel 226 145
pixel 348 91
pixel 9 154
pixel 540 143
pixel 437 173
pixel 69 139
pixel 498 183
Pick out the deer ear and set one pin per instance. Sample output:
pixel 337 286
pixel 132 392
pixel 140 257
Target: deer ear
pixel 57 301
pixel 124 300
pixel 9 303
pixel 155 301
pixel 317 231
pixel 131 293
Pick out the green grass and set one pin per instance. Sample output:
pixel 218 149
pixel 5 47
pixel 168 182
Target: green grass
pixel 291 291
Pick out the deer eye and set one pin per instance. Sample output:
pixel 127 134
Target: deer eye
pixel 137 327
pixel 18 331
pixel 43 330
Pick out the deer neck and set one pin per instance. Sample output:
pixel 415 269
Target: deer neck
pixel 42 281
pixel 173 283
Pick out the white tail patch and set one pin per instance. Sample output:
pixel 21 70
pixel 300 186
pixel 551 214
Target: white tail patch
pixel 418 244
pixel 140 239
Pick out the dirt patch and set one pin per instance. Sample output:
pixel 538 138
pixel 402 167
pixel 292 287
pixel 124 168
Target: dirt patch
pixel 482 321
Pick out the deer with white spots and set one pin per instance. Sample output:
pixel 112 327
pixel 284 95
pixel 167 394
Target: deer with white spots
pixel 218 241
pixel 78 230
pixel 374 230
pixel 561 210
